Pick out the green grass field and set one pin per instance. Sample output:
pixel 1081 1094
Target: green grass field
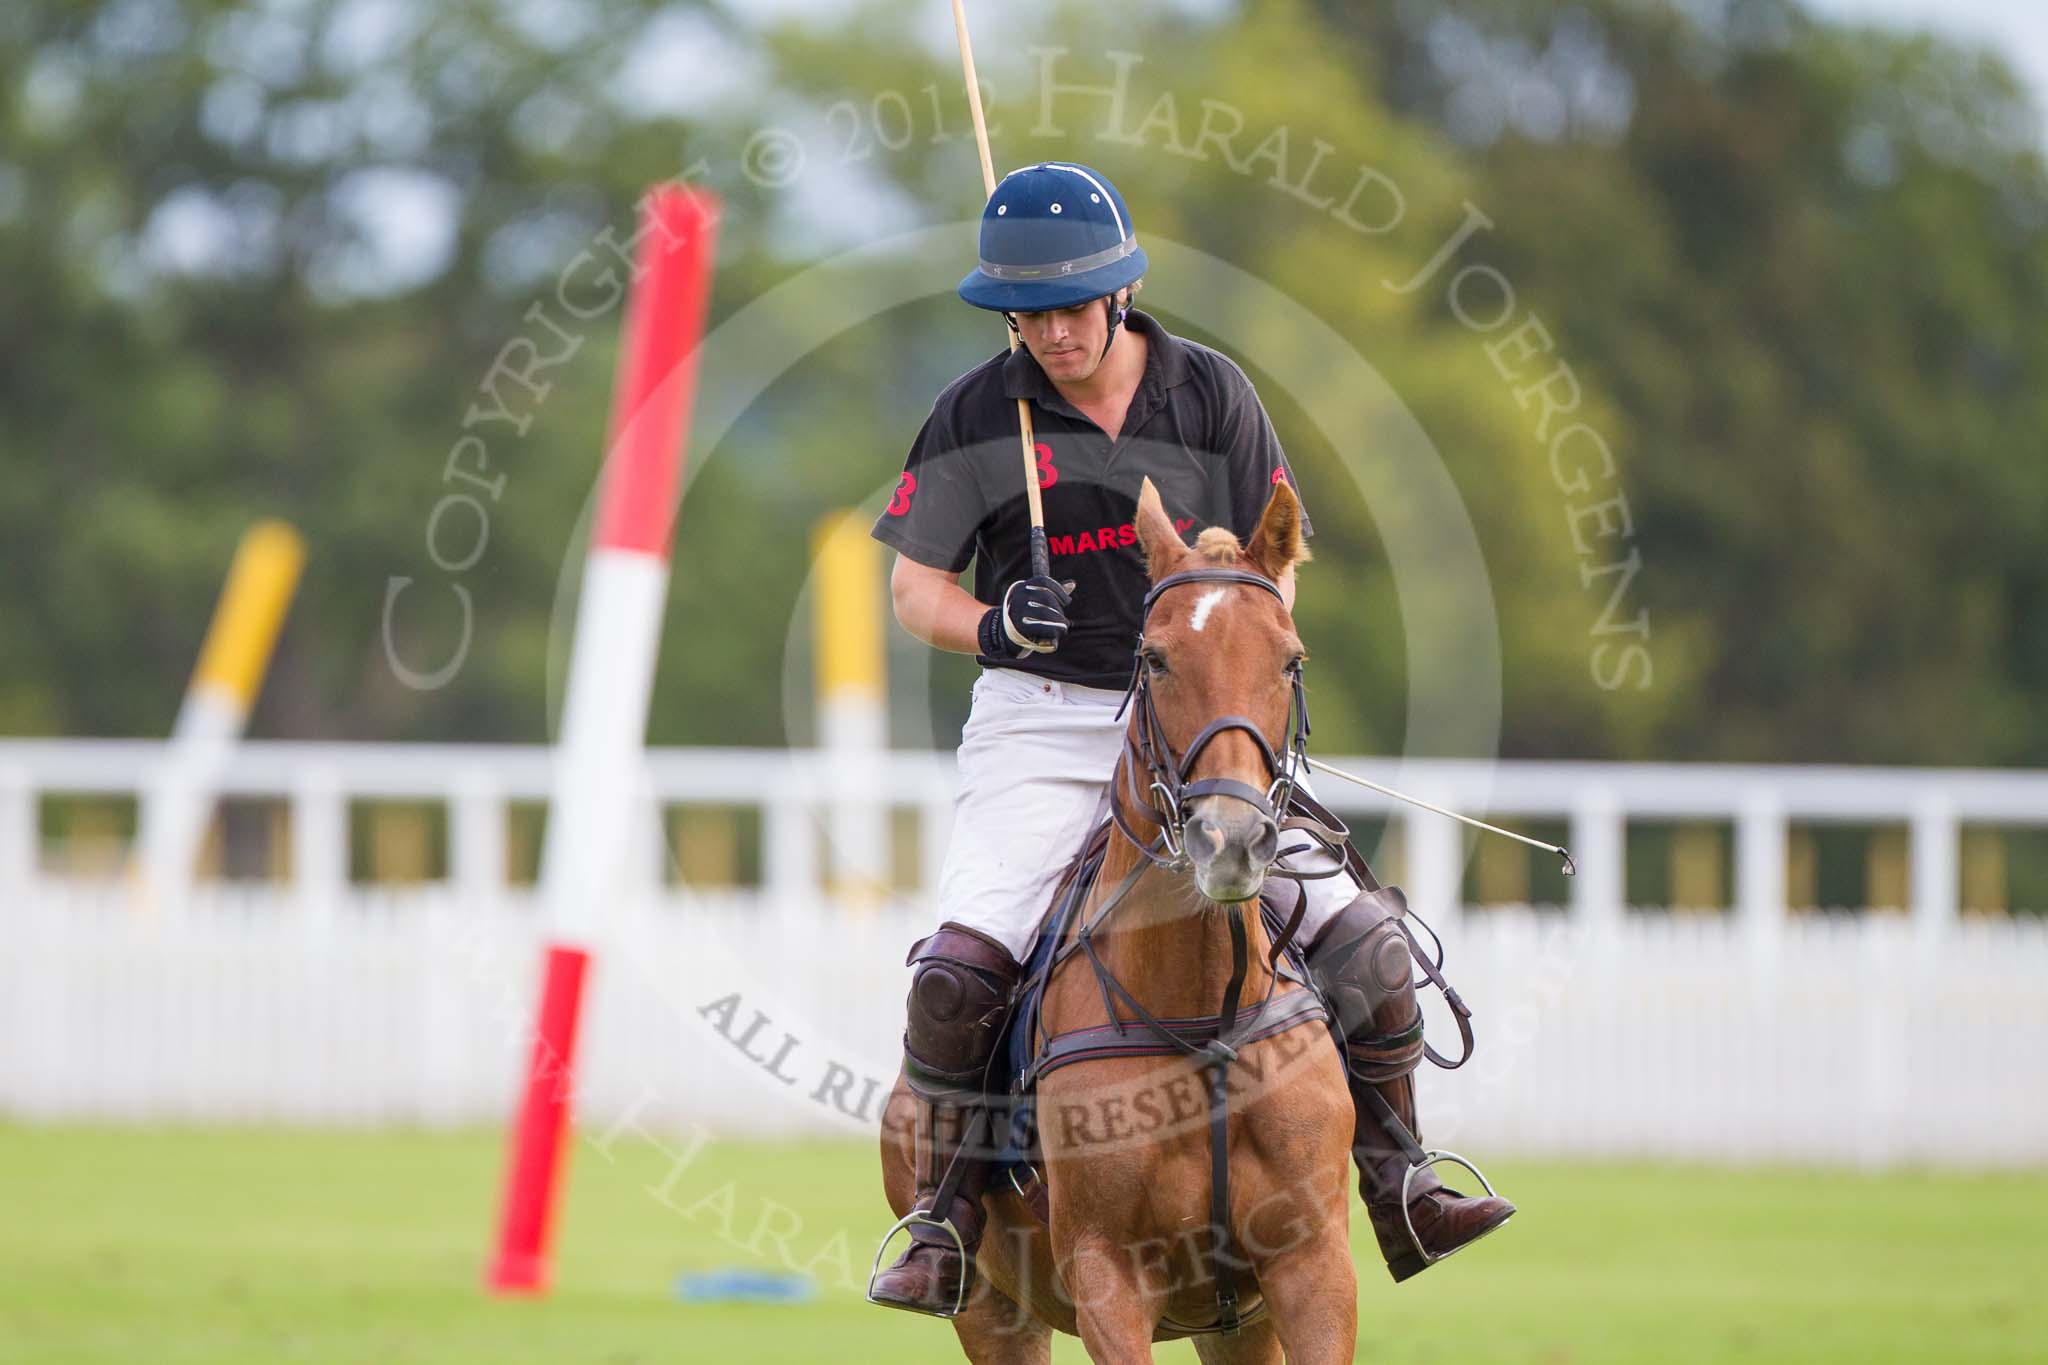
pixel 240 1246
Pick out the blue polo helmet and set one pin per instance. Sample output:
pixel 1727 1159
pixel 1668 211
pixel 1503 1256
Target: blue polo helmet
pixel 1053 235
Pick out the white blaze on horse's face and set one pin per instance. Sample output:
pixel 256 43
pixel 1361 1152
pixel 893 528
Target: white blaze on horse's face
pixel 1219 661
pixel 1227 656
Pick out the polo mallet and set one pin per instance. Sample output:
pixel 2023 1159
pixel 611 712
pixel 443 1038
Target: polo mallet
pixel 1570 868
pixel 1041 553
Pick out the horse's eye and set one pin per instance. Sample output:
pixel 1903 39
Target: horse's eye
pixel 1294 664
pixel 1155 662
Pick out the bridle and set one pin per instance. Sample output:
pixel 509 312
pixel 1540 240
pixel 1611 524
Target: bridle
pixel 1148 756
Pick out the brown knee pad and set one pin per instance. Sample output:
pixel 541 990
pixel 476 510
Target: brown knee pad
pixel 960 989
pixel 1363 963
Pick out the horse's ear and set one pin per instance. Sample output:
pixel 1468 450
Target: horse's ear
pixel 1277 545
pixel 1162 544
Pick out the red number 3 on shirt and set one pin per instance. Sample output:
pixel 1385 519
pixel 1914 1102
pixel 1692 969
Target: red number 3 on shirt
pixel 1047 475
pixel 905 486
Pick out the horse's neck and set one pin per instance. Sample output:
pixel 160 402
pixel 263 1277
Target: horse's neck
pixel 1168 945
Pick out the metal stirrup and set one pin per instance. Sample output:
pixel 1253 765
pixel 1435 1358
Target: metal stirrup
pixel 1415 1168
pixel 921 1218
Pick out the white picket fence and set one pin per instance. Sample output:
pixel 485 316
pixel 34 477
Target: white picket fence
pixel 1749 1036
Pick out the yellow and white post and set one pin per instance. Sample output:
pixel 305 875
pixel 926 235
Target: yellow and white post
pixel 852 710
pixel 178 804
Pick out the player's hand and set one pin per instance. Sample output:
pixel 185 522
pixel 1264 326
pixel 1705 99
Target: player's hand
pixel 1031 619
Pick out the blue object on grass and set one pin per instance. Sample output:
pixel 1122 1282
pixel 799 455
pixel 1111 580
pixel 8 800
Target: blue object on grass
pixel 738 1285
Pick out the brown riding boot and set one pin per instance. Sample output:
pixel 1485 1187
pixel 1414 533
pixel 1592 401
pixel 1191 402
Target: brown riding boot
pixel 1361 960
pixel 935 1274
pixel 959 1000
pixel 1442 1219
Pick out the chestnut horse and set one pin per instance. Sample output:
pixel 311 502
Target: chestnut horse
pixel 1128 1255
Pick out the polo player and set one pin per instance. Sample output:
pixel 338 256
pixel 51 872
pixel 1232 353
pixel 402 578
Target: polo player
pixel 1115 399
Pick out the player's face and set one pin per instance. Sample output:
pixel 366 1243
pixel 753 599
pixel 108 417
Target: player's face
pixel 1067 342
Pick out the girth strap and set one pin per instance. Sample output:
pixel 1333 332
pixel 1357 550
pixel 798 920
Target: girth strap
pixel 1269 1019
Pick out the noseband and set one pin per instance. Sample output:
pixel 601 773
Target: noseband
pixel 1148 753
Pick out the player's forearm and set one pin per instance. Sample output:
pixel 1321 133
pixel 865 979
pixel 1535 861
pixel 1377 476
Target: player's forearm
pixel 938 611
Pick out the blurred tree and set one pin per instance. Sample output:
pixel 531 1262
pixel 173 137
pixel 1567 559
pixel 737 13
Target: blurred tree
pixel 258 259
pixel 1808 263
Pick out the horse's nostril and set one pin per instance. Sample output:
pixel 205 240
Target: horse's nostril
pixel 1205 841
pixel 1266 843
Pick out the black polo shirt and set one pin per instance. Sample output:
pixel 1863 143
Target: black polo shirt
pixel 1195 428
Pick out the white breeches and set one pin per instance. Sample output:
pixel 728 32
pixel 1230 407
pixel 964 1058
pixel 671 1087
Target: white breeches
pixel 1035 762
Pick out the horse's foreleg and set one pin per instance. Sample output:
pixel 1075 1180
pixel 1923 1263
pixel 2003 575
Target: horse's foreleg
pixel 1312 1298
pixel 995 1330
pixel 1258 1344
pixel 1116 1305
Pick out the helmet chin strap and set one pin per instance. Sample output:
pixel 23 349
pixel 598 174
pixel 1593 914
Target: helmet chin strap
pixel 1114 311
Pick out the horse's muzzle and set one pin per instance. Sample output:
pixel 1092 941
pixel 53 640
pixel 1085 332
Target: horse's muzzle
pixel 1231 843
